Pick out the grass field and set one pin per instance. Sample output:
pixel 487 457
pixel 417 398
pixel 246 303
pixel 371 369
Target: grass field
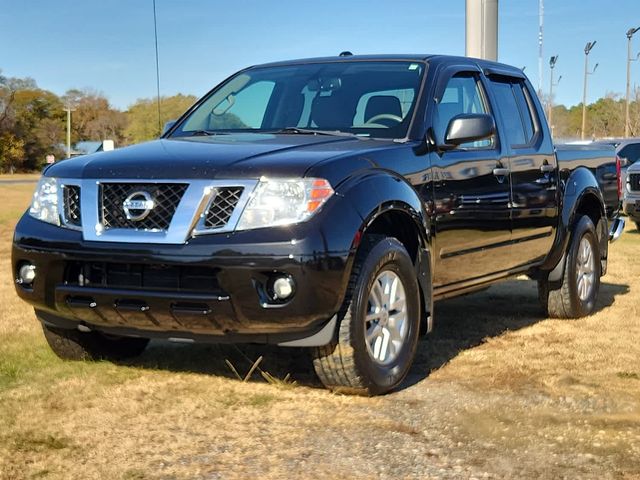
pixel 19 176
pixel 498 391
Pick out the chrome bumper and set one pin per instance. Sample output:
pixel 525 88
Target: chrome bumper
pixel 617 227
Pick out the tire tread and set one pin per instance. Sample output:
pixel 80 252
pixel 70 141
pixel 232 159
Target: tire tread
pixel 335 364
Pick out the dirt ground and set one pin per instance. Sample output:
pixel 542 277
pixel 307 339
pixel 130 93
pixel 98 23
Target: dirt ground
pixel 497 391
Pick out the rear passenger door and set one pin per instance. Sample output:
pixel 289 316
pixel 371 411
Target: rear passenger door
pixel 533 168
pixel 471 189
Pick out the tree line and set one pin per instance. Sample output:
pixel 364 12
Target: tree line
pixel 33 120
pixel 605 117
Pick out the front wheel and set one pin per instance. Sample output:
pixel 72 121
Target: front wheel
pixel 578 292
pixel 378 324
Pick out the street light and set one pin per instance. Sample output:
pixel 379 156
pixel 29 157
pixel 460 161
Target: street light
pixel 587 49
pixel 552 65
pixel 627 122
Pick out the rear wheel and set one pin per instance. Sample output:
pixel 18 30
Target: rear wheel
pixel 578 292
pixel 637 225
pixel 75 345
pixel 378 324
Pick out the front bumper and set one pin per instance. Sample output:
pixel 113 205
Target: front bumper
pixel 230 304
pixel 632 207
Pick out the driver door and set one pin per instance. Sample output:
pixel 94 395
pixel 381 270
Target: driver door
pixel 471 190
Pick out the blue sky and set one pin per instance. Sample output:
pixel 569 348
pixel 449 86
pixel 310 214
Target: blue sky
pixel 108 45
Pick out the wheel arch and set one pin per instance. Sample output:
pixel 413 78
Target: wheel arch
pixel 582 196
pixel 390 206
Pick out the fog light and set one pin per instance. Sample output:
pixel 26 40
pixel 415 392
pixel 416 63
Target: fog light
pixel 283 288
pixel 26 274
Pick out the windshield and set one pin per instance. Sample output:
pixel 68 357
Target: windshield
pixel 365 98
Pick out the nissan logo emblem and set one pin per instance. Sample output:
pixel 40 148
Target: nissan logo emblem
pixel 138 205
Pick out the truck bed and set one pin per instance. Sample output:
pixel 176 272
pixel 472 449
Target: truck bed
pixel 601 160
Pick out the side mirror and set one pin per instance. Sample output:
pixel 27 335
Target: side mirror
pixel 624 162
pixel 167 126
pixel 470 127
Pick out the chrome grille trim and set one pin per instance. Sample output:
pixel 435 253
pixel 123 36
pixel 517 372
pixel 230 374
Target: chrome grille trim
pixel 167 196
pixel 70 205
pixel 187 221
pixel 221 207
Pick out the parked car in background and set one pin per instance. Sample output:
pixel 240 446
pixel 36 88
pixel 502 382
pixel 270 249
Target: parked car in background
pixel 632 194
pixel 628 150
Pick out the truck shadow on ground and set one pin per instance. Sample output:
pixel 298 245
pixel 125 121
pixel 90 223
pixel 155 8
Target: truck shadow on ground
pixel 461 324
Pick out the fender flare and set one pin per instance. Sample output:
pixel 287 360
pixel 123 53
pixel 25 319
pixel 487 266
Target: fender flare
pixel 377 193
pixel 580 185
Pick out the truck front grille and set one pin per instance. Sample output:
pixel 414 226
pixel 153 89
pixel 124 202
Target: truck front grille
pixel 634 182
pixel 165 196
pixel 222 206
pixel 71 196
pixel 180 278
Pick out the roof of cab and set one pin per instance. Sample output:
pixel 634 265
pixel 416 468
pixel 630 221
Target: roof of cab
pixel 484 64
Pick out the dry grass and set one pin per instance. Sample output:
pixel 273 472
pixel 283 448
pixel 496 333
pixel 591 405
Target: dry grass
pixel 19 176
pixel 496 389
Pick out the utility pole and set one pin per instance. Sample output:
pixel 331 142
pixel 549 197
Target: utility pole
pixel 481 29
pixel 552 65
pixel 69 110
pixel 587 49
pixel 540 41
pixel 627 121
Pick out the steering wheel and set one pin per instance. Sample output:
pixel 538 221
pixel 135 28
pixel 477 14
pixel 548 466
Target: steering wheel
pixel 383 116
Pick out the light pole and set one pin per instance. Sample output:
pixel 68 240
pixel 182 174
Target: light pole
pixel 627 122
pixel 552 64
pixel 587 49
pixel 69 110
pixel 481 29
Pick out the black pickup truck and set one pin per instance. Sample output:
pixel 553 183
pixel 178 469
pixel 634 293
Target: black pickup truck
pixel 323 203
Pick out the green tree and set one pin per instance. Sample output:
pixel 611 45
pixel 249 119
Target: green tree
pixel 94 118
pixel 143 116
pixel 11 152
pixel 39 123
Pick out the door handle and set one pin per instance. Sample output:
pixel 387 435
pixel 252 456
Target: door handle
pixel 546 168
pixel 500 172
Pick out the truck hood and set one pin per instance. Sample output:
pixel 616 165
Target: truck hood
pixel 248 155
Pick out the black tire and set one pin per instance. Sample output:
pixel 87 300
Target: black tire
pixel 566 302
pixel 346 365
pixel 75 345
pixel 637 225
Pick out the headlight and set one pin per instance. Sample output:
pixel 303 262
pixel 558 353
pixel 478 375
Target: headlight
pixel 44 205
pixel 283 201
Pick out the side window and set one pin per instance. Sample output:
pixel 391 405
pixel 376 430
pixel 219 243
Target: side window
pixel 506 104
pixel 524 105
pixel 515 108
pixel 462 94
pixel 245 109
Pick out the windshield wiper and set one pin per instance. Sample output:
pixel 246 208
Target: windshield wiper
pixel 205 133
pixel 310 131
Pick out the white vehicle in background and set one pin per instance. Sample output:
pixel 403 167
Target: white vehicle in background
pixel 632 193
